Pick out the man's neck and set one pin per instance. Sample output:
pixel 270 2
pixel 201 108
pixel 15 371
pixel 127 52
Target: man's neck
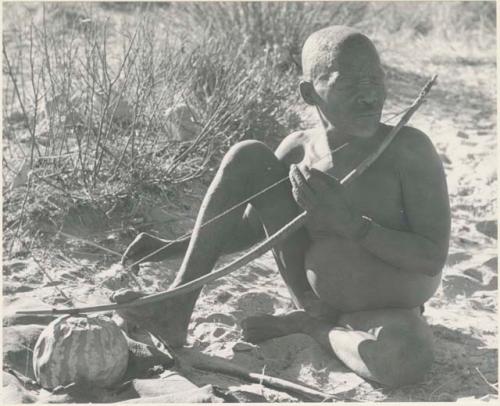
pixel 337 138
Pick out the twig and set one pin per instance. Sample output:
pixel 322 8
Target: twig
pixel 494 387
pixel 25 381
pixel 442 386
pixel 19 97
pixel 35 89
pixel 93 244
pixel 50 278
pixel 63 190
pixel 43 269
pixel 213 364
pixel 21 216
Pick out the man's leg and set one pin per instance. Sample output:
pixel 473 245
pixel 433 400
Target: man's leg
pixel 247 168
pixel 149 248
pixel 392 346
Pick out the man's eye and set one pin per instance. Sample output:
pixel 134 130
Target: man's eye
pixel 345 83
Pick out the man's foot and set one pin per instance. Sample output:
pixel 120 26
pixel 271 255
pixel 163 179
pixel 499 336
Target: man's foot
pixel 168 319
pixel 148 248
pixel 265 326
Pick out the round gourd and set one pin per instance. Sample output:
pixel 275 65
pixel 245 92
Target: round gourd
pixel 82 349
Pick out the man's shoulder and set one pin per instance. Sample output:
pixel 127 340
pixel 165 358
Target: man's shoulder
pixel 411 143
pixel 292 147
pixel 412 149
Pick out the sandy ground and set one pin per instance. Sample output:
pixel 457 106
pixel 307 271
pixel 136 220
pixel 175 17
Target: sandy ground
pixel 460 119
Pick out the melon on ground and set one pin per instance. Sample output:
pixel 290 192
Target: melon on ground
pixel 82 350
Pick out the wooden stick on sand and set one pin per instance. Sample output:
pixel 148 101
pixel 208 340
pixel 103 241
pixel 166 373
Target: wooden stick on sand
pixel 261 248
pixel 204 362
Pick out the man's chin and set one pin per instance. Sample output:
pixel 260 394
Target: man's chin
pixel 362 126
pixel 364 131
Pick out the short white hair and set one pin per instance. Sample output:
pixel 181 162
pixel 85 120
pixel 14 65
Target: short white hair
pixel 322 48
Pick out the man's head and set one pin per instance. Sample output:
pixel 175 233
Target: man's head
pixel 343 77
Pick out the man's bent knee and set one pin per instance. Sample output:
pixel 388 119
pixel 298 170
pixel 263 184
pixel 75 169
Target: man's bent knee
pixel 402 355
pixel 249 155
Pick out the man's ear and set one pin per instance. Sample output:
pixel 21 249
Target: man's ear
pixel 307 92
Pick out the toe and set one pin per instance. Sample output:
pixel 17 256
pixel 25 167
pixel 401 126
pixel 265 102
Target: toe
pixel 126 295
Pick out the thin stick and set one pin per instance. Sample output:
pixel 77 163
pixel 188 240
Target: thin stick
pixel 93 244
pixel 257 251
pixel 214 364
pixel 21 217
pixel 491 385
pixel 44 271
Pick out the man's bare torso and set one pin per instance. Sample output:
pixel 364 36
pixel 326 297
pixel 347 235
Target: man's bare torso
pixel 342 272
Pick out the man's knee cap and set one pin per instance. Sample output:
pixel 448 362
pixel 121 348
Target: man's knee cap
pixel 247 153
pixel 413 359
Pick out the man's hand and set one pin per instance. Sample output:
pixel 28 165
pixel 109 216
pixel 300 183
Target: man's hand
pixel 322 197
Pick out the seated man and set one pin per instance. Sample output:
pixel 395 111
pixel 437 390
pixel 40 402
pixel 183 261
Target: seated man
pixel 371 253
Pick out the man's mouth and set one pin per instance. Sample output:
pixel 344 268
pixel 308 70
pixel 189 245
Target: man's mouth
pixel 368 114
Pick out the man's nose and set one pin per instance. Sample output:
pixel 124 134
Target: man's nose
pixel 367 95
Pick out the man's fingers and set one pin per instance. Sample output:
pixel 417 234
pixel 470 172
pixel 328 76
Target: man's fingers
pixel 299 180
pixel 303 201
pixel 321 181
pixel 316 173
pixel 301 191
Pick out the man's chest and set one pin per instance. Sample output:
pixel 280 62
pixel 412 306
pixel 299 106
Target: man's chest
pixel 377 193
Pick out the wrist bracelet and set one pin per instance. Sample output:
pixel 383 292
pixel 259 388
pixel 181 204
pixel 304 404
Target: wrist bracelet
pixel 364 229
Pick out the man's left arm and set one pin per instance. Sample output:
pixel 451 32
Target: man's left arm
pixel 424 247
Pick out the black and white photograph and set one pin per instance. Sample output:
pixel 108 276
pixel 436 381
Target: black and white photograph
pixel 249 202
